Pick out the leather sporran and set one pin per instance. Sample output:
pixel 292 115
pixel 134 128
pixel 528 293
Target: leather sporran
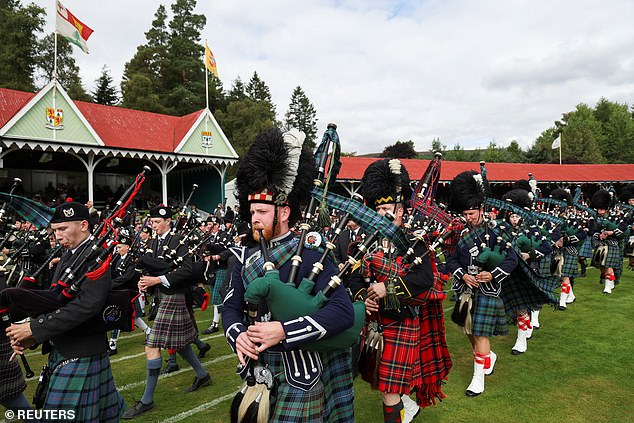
pixel 154 306
pixel 600 256
pixel 461 314
pixel 557 265
pixel 39 396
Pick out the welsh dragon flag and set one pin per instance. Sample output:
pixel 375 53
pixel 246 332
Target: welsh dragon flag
pixel 71 28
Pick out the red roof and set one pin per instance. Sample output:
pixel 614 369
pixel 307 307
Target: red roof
pixel 116 126
pixel 353 167
pixel 11 101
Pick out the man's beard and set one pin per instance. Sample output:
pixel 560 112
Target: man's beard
pixel 266 232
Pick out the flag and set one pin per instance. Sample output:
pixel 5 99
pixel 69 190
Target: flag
pixel 210 61
pixel 71 28
pixel 557 143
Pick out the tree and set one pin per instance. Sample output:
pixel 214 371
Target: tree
pixel 514 153
pixel 617 128
pixel 400 150
pixel 437 146
pixel 67 70
pixel 580 136
pixel 242 122
pixel 106 92
pixel 541 150
pixel 301 115
pixel 142 85
pixel 184 75
pixel 19 46
pixel 257 90
pixel 238 90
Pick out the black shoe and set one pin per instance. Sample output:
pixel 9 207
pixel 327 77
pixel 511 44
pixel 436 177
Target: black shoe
pixel 138 409
pixel 202 351
pixel 516 352
pixel 211 329
pixel 471 393
pixel 199 383
pixel 171 367
pixel 112 351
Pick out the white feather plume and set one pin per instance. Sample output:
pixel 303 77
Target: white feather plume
pixel 395 166
pixel 293 141
pixel 478 179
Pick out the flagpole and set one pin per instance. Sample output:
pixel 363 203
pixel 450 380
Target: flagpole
pixel 560 150
pixel 55 73
pixel 206 80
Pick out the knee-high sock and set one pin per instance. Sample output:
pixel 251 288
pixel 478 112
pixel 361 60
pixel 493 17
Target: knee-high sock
pixel 153 370
pixel 216 314
pixel 18 402
pixel 199 343
pixel 140 323
pixel 114 335
pixel 393 413
pixel 188 354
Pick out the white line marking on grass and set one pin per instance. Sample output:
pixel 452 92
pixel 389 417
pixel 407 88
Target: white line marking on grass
pixel 126 357
pixel 187 369
pixel 200 408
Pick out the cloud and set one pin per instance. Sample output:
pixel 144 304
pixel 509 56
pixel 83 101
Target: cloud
pixel 464 71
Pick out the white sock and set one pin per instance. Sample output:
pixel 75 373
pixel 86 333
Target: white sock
pixel 216 314
pixel 140 324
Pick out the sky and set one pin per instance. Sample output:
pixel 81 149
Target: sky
pixel 465 71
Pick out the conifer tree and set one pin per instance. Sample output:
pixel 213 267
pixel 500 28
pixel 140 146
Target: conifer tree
pixel 106 92
pixel 302 115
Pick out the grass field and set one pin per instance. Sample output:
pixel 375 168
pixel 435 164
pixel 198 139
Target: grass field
pixel 579 367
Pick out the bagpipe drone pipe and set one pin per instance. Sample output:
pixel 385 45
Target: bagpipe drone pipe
pixel 89 262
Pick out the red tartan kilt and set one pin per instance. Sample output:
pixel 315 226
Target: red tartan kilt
pixel 399 370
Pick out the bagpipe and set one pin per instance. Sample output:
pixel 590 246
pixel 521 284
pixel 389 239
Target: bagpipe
pixel 89 262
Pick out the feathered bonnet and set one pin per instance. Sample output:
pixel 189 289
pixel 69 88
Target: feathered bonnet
pixel 601 200
pixel 627 193
pixel 466 192
pixel 385 182
pixel 562 195
pixel 278 169
pixel 518 197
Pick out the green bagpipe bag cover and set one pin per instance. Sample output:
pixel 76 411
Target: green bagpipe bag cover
pixel 287 302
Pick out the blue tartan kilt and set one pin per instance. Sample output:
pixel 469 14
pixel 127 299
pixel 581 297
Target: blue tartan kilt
pixel 338 386
pixel 614 258
pixel 85 386
pixel 525 290
pixel 293 405
pixel 216 298
pixel 487 315
pixel 570 268
pixel 173 326
pixel 586 248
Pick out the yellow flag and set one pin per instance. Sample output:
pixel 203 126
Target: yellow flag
pixel 210 61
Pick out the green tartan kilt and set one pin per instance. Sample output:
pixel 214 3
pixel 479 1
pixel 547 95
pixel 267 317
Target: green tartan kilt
pixel 173 326
pixel 614 258
pixel 524 290
pixel 542 266
pixel 12 381
pixel 487 314
pixel 216 298
pixel 86 386
pixel 586 248
pixel 338 386
pixel 570 268
pixel 293 405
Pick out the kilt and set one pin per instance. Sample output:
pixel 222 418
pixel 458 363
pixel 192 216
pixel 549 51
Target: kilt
pixel 399 369
pixel 173 326
pixel 216 298
pixel 570 268
pixel 338 388
pixel 527 291
pixel 86 386
pixel 586 248
pixel 293 405
pixel 542 266
pixel 487 315
pixel 12 382
pixel 614 258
